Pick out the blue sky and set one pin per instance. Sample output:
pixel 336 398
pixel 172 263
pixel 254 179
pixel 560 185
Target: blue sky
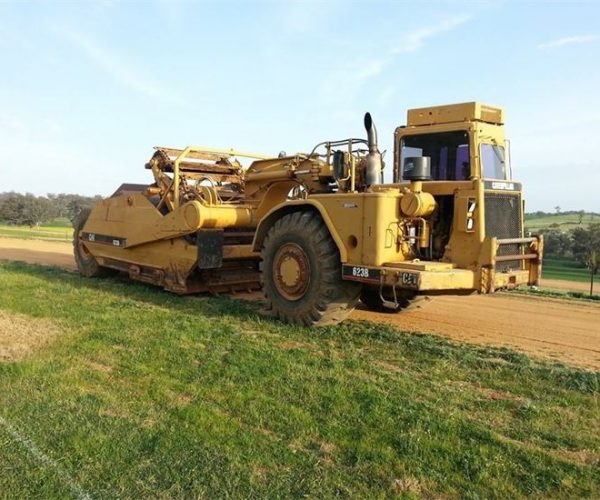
pixel 89 87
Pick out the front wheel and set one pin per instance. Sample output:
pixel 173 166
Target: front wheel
pixel 302 273
pixel 86 263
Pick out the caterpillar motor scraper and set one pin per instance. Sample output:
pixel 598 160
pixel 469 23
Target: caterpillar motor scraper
pixel 320 231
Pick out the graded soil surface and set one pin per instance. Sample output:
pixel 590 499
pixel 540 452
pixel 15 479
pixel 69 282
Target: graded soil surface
pixel 563 330
pixel 574 286
pixel 50 253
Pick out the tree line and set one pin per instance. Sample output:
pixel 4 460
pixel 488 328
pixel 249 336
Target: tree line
pixel 31 210
pixel 559 211
pixel 573 243
pixel 581 244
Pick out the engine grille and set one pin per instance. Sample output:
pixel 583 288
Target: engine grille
pixel 503 220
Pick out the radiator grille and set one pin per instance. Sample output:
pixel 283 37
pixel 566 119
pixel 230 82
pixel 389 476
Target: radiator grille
pixel 503 220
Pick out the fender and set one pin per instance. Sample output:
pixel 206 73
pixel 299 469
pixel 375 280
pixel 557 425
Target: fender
pixel 289 207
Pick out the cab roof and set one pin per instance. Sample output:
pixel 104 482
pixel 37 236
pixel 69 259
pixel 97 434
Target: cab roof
pixel 453 113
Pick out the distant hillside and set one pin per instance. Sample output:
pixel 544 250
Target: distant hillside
pixel 564 221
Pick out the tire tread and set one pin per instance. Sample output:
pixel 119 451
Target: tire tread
pixel 334 299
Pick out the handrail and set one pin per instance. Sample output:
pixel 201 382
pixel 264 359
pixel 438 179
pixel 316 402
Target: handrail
pixel 520 256
pixel 513 241
pixel 228 152
pixel 201 149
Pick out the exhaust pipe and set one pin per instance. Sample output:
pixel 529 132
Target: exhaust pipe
pixel 374 169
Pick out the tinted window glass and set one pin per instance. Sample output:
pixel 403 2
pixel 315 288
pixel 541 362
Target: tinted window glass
pixel 493 161
pixel 449 153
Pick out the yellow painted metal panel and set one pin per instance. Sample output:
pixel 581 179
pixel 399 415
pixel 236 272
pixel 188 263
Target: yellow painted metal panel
pixel 422 265
pixel 457 279
pixel 464 112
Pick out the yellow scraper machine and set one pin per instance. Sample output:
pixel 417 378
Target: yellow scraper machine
pixel 319 231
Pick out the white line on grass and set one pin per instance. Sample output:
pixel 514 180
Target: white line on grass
pixel 44 459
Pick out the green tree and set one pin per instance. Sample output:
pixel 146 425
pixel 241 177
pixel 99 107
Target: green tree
pixel 37 210
pixel 16 208
pixel 586 249
pixel 557 243
pixel 12 208
pixel 60 202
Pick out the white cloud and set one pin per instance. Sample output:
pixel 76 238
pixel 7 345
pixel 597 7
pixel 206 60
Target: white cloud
pixel 568 40
pixel 367 71
pixel 386 95
pixel 10 124
pixel 119 69
pixel 52 126
pixel 415 39
pixel 173 11
pixel 343 83
pixel 304 17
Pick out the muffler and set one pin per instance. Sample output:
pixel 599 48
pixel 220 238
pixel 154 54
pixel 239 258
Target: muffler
pixel 374 170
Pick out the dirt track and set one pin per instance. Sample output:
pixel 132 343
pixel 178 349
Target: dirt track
pixel 575 286
pixel 38 252
pixel 559 329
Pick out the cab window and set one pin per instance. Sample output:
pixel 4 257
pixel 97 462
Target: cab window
pixel 449 153
pixel 493 161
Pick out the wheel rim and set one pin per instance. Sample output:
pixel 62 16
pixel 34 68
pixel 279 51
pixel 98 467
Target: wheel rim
pixel 291 270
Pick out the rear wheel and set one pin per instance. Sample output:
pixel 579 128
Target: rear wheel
pixel 86 263
pixel 302 273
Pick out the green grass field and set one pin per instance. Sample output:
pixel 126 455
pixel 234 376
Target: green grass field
pixel 564 269
pixel 59 229
pixel 59 222
pixel 565 222
pixel 146 394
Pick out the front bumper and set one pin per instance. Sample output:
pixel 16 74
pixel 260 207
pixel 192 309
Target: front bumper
pixel 429 276
pixel 432 280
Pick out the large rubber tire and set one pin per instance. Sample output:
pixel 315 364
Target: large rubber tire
pixel 86 263
pixel 318 296
pixel 371 298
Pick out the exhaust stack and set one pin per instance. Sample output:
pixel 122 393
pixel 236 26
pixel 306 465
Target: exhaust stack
pixel 374 169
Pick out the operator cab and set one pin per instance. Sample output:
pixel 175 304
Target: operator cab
pixel 462 141
pixel 457 154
